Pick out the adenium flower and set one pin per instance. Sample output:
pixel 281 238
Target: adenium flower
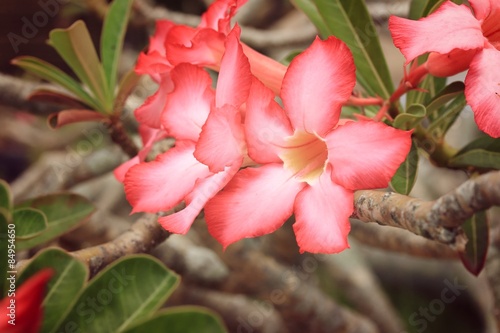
pixel 457 39
pixel 178 175
pixel 28 305
pixel 310 163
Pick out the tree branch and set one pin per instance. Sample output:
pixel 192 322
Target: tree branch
pixel 438 220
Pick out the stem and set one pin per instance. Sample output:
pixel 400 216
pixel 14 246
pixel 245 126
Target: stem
pixel 410 82
pixel 120 136
pixel 362 101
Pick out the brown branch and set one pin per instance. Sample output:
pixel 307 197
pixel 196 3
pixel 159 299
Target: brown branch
pixel 400 241
pixel 492 268
pixel 357 282
pixel 438 220
pixel 302 305
pixel 120 136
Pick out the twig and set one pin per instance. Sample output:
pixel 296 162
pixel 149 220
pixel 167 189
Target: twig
pixel 120 136
pixel 438 220
pixel 493 272
pixel 400 241
pixel 361 287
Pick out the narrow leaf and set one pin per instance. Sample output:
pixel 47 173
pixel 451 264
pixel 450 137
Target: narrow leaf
pixel 67 282
pixel 479 158
pixel 124 294
pixel 65 117
pixel 444 96
pixel 63 211
pixel 476 229
pixel 56 97
pixel 309 8
pixel 182 319
pixel 127 86
pixel 75 46
pixel 446 116
pixel 113 34
pixel 29 222
pixel 5 195
pixel 412 117
pixel 405 176
pixel 51 73
pixel 350 21
pixel 427 88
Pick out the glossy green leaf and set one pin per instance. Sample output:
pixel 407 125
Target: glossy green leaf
pixel 70 276
pixel 479 158
pixel 127 86
pixel 126 292
pixel 422 8
pixel 182 319
pixel 404 179
pixel 53 74
pixel 485 142
pixel 309 8
pixel 350 21
pixel 412 117
pixel 30 222
pixel 113 34
pixel 447 94
pixel 75 46
pixel 5 195
pixel 476 229
pixel 63 211
pixel 4 248
pixel 446 116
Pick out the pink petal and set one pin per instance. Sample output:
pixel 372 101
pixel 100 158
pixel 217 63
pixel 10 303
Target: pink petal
pixel 482 90
pixel 221 140
pixel 316 84
pixel 66 117
pixel 149 137
pixel 450 27
pixel 162 184
pixel 204 190
pixel 149 113
pixel 266 125
pixel 489 12
pixel 235 77
pixel 152 64
pixel 366 154
pixel 267 70
pixel 188 105
pixel 203 47
pixel 322 217
pixel 218 16
pixel 444 65
pixel 157 42
pixel 256 202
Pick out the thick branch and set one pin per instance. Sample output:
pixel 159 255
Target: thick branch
pixel 400 241
pixel 438 220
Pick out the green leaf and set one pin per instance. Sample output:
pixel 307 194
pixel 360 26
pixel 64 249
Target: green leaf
pixel 30 222
pixel 428 88
pixel 309 8
pixel 127 85
pixel 127 291
pixel 405 176
pixel 485 142
pixel 5 195
pixel 113 34
pixel 53 74
pixel 450 92
pixel 446 116
pixel 411 118
pixel 476 229
pixel 479 158
pixel 67 282
pixel 4 248
pixel 63 211
pixel 75 46
pixel 350 21
pixel 422 8
pixel 182 319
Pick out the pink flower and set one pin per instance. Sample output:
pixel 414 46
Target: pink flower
pixel 28 305
pixel 459 39
pixel 310 164
pixel 178 175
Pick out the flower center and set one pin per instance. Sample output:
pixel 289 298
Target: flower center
pixel 305 154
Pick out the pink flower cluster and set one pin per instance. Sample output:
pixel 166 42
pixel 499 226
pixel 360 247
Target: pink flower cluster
pixel 247 160
pixel 459 39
